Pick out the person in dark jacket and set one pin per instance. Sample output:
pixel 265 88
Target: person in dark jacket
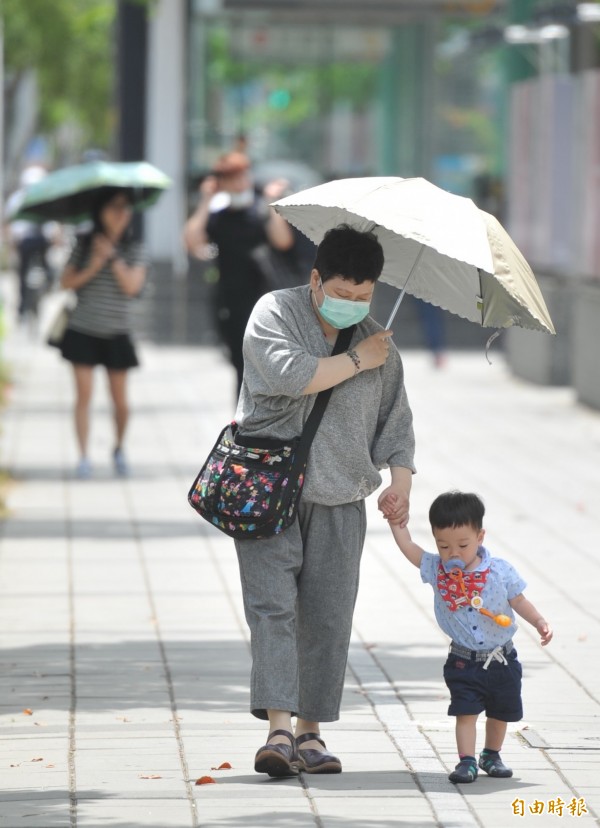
pixel 241 225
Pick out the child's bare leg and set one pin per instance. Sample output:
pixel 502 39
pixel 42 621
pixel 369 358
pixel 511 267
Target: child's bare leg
pixel 495 731
pixel 466 731
pixel 490 760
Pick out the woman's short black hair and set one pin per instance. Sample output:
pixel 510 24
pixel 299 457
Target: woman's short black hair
pixel 351 254
pixel 456 509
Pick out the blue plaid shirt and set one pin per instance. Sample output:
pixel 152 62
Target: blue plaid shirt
pixel 466 626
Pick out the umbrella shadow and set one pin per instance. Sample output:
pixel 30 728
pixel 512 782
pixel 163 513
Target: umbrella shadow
pixel 52 809
pixel 103 473
pixel 53 806
pixel 373 780
pixel 109 530
pixel 209 676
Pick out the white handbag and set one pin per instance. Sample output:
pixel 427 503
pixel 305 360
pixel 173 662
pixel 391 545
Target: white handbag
pixel 60 320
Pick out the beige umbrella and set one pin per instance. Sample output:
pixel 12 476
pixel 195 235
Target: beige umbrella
pixel 438 246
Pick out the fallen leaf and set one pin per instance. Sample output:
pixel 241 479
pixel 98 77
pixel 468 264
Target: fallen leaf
pixel 205 780
pixel 123 719
pixel 50 766
pixel 16 766
pixel 39 759
pixel 150 776
pixel 223 766
pixel 28 712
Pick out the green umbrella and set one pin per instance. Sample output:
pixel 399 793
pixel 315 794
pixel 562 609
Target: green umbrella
pixel 68 195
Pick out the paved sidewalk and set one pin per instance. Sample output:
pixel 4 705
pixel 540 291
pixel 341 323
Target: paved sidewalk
pixel 125 663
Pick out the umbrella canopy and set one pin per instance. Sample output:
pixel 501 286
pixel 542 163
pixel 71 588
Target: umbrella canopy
pixel 438 246
pixel 299 174
pixel 68 195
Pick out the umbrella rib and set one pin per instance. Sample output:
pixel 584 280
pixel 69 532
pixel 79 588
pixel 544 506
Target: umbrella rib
pixel 481 293
pixel 403 291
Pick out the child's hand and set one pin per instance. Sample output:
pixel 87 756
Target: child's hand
pixel 388 504
pixel 545 630
pixel 395 506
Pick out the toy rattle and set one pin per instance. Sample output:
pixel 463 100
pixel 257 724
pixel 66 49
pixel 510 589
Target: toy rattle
pixel 476 601
pixel 502 620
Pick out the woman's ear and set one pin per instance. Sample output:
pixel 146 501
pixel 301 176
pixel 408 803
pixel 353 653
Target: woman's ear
pixel 314 279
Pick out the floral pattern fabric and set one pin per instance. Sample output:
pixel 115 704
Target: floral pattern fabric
pixel 248 492
pixel 451 591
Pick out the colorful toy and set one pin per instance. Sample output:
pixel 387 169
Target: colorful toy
pixel 476 600
pixel 502 620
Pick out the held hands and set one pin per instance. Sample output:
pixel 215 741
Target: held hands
pixel 395 506
pixel 373 351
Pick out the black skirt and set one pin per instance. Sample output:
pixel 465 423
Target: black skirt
pixel 116 353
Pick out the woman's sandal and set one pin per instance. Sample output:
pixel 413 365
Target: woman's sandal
pixel 316 761
pixel 277 759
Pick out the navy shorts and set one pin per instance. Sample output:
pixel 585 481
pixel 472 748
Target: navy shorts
pixel 116 353
pixel 496 690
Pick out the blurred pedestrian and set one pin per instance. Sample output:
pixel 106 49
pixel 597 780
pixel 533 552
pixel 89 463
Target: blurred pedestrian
pixel 31 242
pixel 433 327
pixel 243 223
pixel 475 597
pixel 107 271
pixel 300 587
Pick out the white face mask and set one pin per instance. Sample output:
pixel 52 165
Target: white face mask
pixel 238 201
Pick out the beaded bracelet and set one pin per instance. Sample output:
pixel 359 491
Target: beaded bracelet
pixel 355 359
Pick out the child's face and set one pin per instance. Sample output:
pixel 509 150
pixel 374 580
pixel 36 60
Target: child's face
pixel 459 542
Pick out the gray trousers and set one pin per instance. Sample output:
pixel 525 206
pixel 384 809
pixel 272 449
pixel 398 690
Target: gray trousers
pixel 299 593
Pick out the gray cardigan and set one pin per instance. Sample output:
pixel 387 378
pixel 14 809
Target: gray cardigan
pixel 368 423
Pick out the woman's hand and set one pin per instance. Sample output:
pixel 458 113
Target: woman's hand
pixel 275 189
pixel 373 351
pixel 194 231
pixel 394 503
pixel 209 187
pixel 130 278
pixel 102 251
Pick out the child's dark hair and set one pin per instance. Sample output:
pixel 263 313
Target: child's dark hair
pixel 456 509
pixel 350 253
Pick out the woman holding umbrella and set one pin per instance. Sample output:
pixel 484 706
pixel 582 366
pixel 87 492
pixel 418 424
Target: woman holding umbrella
pixel 107 271
pixel 299 587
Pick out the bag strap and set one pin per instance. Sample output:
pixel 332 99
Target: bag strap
pixel 316 415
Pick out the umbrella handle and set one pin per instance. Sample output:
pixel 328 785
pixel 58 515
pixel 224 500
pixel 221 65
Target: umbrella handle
pixel 403 291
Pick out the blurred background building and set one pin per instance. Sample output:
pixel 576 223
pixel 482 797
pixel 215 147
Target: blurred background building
pixel 498 100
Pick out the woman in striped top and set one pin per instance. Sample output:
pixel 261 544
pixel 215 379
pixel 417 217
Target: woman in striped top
pixel 107 271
